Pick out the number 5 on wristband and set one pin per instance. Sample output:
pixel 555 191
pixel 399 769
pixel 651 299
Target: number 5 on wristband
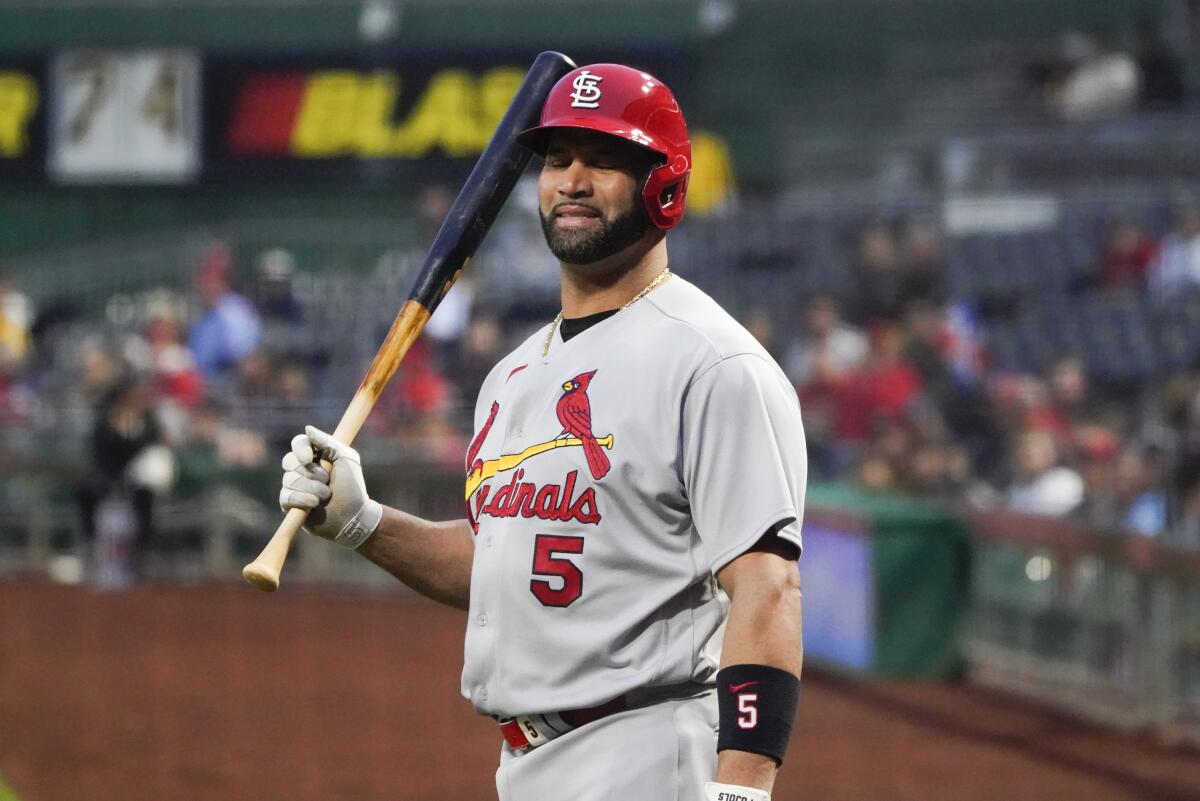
pixel 757 705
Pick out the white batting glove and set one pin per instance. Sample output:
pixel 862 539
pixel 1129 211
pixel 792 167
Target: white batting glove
pixel 338 506
pixel 715 791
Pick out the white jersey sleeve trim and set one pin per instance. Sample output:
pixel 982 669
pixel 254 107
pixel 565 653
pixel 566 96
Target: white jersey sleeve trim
pixel 783 522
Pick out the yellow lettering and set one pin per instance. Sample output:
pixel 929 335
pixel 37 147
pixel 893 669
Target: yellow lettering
pixel 325 126
pixel 18 101
pixel 346 113
pixel 496 90
pixel 373 114
pixel 446 117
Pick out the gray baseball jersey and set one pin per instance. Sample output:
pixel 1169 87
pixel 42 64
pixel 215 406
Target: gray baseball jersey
pixel 607 482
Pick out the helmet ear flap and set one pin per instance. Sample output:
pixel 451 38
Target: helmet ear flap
pixel 664 192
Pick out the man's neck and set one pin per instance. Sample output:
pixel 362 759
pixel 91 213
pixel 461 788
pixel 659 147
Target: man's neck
pixel 610 284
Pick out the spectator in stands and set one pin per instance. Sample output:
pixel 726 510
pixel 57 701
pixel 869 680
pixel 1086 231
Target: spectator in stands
pixel 450 319
pixel 894 439
pixel 761 325
pixel 1161 69
pixel 1041 484
pixel 826 348
pixel 1071 397
pixel 416 411
pixel 216 444
pixel 418 390
pixel 1098 450
pixel 941 353
pixel 939 471
pixel 16 398
pixel 1141 487
pixel 481 346
pixel 449 322
pixel 128 459
pixel 891 272
pixel 159 354
pixel 878 291
pixel 430 437
pixel 1127 257
pixel 289 392
pixel 826 354
pixel 922 263
pixel 1061 406
pixel 925 347
pixel 274 292
pixel 1100 80
pixel 98 369
pixel 266 389
pixel 519 276
pixel 883 390
pixel 292 388
pixel 876 474
pixel 255 386
pixel 16 318
pixel 1177 267
pixel 229 329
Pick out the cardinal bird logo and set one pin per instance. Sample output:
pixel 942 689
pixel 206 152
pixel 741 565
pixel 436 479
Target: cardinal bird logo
pixel 575 414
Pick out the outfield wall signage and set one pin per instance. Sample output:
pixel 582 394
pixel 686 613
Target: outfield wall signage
pixel 340 120
pixel 180 116
pixel 22 119
pixel 330 118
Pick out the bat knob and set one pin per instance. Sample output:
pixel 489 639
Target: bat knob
pixel 261 578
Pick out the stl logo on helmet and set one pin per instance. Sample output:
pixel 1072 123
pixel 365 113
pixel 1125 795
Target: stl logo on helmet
pixel 587 90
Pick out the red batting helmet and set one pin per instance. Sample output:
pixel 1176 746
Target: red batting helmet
pixel 634 106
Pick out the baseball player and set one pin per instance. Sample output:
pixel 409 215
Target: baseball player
pixel 634 493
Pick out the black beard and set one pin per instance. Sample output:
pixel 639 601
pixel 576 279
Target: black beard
pixel 588 247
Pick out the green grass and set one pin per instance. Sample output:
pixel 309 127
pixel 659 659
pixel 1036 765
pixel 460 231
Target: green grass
pixel 7 793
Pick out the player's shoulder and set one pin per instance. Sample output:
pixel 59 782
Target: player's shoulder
pixel 687 317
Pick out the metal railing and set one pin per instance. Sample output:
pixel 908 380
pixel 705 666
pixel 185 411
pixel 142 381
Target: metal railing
pixel 1102 625
pixel 209 535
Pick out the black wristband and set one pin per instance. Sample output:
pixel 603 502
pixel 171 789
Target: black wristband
pixel 757 705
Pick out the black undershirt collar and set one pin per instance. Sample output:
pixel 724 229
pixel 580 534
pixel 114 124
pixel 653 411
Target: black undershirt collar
pixel 577 325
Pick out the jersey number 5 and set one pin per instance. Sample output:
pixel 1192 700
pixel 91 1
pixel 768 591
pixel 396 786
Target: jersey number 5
pixel 549 568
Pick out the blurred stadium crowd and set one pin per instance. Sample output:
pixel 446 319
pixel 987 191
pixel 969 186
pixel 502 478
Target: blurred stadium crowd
pixel 1038 355
pixel 909 381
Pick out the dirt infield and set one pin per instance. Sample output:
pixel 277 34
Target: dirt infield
pixel 217 692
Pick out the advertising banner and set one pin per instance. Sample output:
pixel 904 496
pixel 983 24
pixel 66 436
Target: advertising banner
pixel 22 118
pixel 181 116
pixel 408 115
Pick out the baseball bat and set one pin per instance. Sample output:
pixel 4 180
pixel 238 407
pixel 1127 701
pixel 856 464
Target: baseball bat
pixel 470 216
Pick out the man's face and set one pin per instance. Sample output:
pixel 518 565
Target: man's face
pixel 589 195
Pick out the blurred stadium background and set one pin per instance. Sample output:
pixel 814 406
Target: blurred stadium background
pixel 968 229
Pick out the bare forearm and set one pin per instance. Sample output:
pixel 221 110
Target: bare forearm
pixel 764 625
pixel 432 558
pixel 764 628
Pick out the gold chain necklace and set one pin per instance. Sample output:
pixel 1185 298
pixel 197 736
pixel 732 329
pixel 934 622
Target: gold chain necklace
pixel 646 291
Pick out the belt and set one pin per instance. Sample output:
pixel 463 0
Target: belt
pixel 530 731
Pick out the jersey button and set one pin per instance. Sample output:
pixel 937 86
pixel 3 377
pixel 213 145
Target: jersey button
pixel 481 620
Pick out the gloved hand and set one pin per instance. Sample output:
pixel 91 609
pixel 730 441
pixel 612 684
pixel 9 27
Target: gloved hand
pixel 715 791
pixel 338 506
